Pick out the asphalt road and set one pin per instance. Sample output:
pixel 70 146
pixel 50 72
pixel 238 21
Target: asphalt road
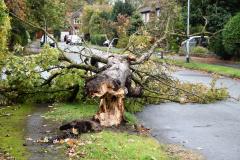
pixel 212 129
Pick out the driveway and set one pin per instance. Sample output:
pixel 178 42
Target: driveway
pixel 212 129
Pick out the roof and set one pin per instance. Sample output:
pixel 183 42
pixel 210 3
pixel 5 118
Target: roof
pixel 77 13
pixel 145 9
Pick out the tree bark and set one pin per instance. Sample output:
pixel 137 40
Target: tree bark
pixel 109 86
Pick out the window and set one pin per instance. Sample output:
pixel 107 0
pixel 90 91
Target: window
pixel 76 21
pixel 146 17
pixel 158 12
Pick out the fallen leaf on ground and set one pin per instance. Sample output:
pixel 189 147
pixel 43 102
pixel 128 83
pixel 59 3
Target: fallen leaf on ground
pixel 29 139
pixel 44 140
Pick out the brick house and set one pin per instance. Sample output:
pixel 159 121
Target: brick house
pixel 75 21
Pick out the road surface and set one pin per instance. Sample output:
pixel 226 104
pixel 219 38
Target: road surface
pixel 212 129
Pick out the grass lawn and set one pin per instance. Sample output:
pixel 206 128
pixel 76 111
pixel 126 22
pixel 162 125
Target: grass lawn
pixel 69 112
pixel 221 70
pixel 12 121
pixel 119 146
pixel 109 144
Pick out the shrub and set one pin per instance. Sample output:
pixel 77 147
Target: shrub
pixel 98 39
pixel 199 51
pixel 173 44
pixel 216 45
pixel 122 42
pixel 231 36
pixel 133 105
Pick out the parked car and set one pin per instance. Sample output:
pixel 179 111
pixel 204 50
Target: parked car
pixel 195 41
pixel 74 40
pixel 109 43
pixel 106 43
pixel 48 40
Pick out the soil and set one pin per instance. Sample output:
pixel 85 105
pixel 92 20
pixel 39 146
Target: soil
pixel 183 153
pixel 4 156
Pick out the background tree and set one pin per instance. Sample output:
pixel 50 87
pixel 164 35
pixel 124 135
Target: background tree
pixel 122 26
pixel 95 24
pixel 217 14
pixel 100 15
pixel 135 23
pixel 4 28
pixel 136 3
pixel 50 13
pixel 125 9
pixel 18 32
pixel 73 5
pixel 231 36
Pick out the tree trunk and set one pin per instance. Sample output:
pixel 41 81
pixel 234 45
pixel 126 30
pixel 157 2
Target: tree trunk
pixel 109 86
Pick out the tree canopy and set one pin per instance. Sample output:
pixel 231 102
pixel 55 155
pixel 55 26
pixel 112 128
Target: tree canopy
pixel 231 36
pixel 4 28
pixel 51 12
pixel 122 8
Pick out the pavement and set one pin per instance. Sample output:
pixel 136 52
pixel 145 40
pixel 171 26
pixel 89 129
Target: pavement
pixel 211 129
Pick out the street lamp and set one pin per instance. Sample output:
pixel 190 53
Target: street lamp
pixel 188 32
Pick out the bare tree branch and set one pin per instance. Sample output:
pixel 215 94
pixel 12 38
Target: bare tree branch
pixel 147 55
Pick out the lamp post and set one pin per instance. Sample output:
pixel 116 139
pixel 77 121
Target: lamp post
pixel 188 32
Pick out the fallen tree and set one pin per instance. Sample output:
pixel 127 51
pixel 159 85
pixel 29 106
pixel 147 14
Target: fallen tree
pixel 114 83
pixel 117 77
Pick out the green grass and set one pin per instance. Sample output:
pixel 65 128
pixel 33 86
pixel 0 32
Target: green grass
pixel 109 144
pixel 12 130
pixel 69 112
pixel 221 70
pixel 119 146
pixel 130 118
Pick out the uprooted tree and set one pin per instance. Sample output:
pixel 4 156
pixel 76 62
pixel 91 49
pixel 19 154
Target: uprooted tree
pixel 53 74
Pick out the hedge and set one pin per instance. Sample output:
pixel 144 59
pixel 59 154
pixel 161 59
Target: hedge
pixel 231 36
pixel 98 39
